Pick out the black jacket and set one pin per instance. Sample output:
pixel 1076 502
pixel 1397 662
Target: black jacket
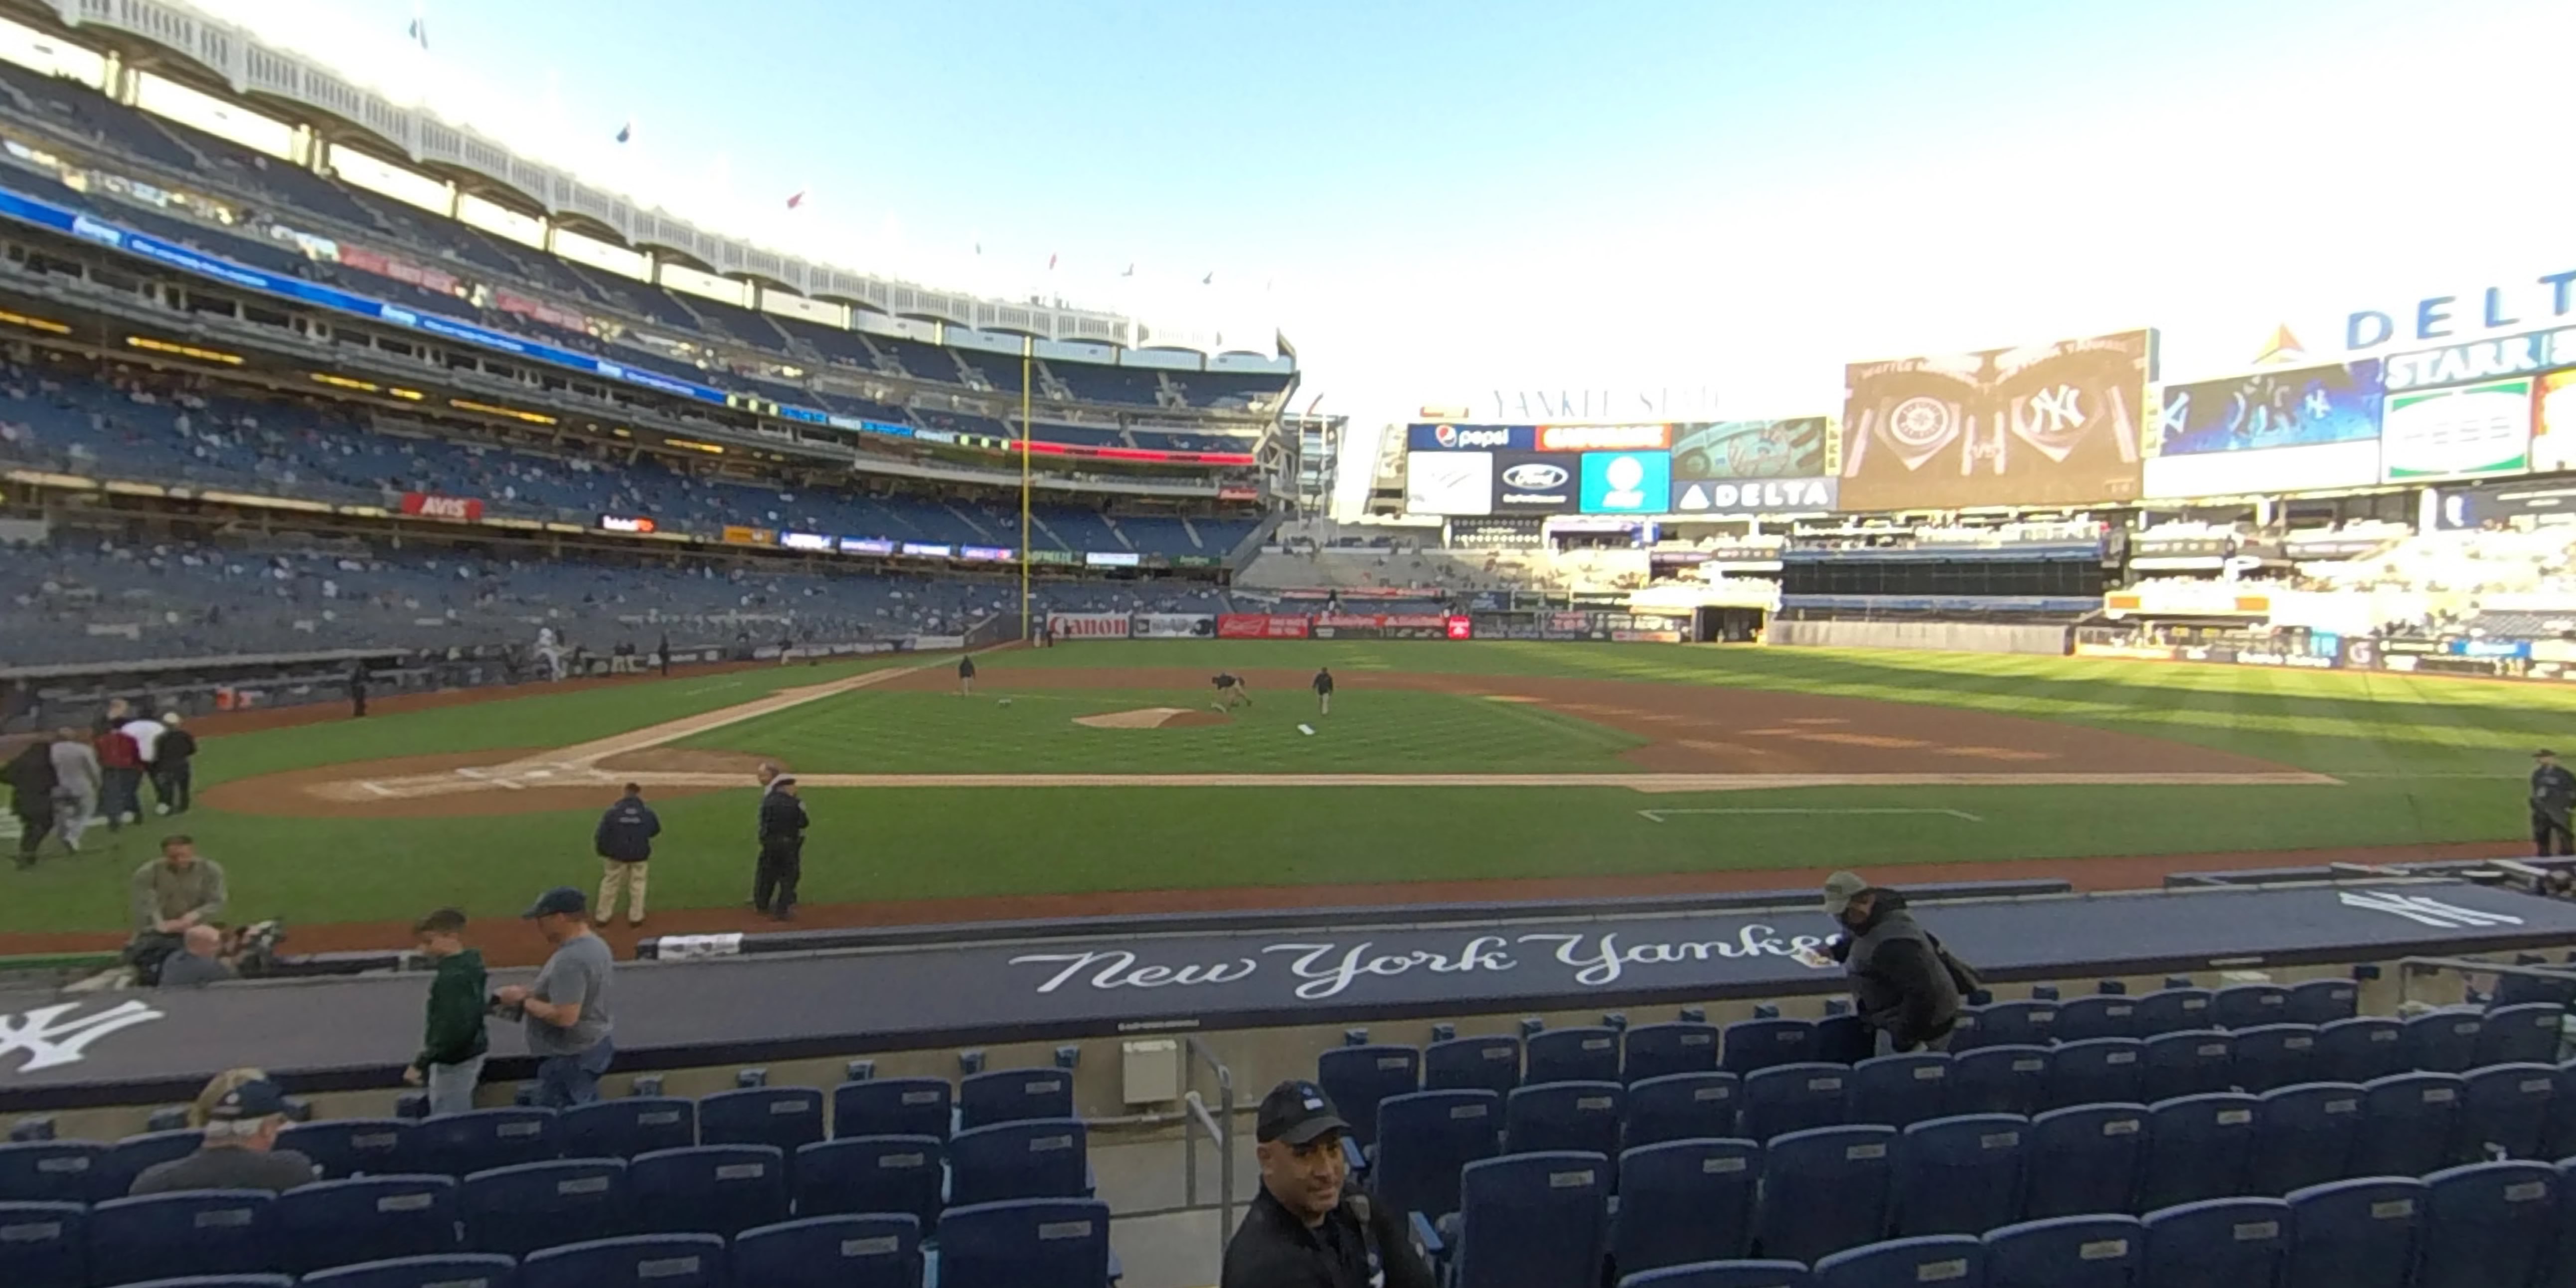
pixel 626 832
pixel 1899 982
pixel 455 1030
pixel 177 747
pixel 32 778
pixel 1273 1249
pixel 782 819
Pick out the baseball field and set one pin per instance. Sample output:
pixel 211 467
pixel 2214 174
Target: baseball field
pixel 1097 777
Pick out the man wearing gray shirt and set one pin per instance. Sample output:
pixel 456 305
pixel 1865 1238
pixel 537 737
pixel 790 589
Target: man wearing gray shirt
pixel 566 1010
pixel 76 783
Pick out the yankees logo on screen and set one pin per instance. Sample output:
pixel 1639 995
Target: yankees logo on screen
pixel 2056 423
pixel 51 1035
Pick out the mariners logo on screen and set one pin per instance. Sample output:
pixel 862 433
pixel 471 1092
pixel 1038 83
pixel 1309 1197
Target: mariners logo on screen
pixel 1453 437
pixel 52 1035
pixel 1921 426
pixel 1535 477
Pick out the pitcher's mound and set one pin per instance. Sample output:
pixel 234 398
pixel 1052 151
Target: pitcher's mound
pixel 1152 718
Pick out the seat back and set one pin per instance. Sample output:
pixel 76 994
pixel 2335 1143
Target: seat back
pixel 1563 1117
pixel 1425 1140
pixel 1037 1243
pixel 2526 1033
pixel 1014 1095
pixel 2443 1041
pixel 2558 1138
pixel 372 1218
pixel 1845 1039
pixel 1037 1159
pixel 1959 1175
pixel 893 1107
pixel 1684 1202
pixel 453 1270
pixel 2355 1234
pixel 1724 1274
pixel 1899 1090
pixel 1823 1190
pixel 344 1147
pixel 858 1174
pixel 2236 1241
pixel 2488 1224
pixel 1572 1055
pixel 2248 1006
pixel 54 1171
pixel 2103 1015
pixel 844 1251
pixel 2173 1010
pixel 1490 1063
pixel 2099 1071
pixel 44 1245
pixel 2102 1251
pixel 2084 1160
pixel 1355 1079
pixel 1533 1220
pixel 2360 1049
pixel 2407 1121
pixel 483 1140
pixel 517 1210
pixel 1662 1050
pixel 1792 1097
pixel 2024 1023
pixel 628 1127
pixel 1680 1106
pixel 2504 1110
pixel 2322 1002
pixel 2303 1136
pixel 171 1236
pixel 132 1156
pixel 708 1189
pixel 1899 1263
pixel 2275 1055
pixel 642 1261
pixel 1751 1045
pixel 2188 1062
pixel 1999 1080
pixel 2198 1147
pixel 784 1118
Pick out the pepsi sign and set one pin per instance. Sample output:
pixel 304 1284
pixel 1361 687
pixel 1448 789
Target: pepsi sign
pixel 1449 436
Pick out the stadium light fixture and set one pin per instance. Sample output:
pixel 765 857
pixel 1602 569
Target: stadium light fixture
pixel 184 350
pixel 46 325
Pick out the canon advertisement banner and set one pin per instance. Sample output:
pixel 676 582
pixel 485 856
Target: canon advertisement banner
pixel 1174 626
pixel 1449 483
pixel 1261 626
pixel 1088 626
pixel 430 505
pixel 1532 483
pixel 2044 424
pixel 2467 431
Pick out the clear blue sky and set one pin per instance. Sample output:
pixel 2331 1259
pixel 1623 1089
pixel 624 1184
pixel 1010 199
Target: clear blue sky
pixel 1441 200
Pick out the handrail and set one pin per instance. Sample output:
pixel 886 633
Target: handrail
pixel 1219 1127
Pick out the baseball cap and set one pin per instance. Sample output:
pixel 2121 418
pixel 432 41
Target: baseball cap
pixel 1839 890
pixel 252 1101
pixel 2542 752
pixel 561 899
pixel 1297 1113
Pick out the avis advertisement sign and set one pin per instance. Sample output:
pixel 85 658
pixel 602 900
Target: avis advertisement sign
pixel 430 505
pixel 1261 626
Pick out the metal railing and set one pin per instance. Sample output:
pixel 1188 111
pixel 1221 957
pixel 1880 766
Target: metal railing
pixel 2409 969
pixel 1219 1128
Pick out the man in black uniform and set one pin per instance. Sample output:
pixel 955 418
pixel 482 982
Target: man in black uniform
pixel 782 850
pixel 1230 692
pixel 966 676
pixel 357 689
pixel 2553 790
pixel 1303 1230
pixel 1324 691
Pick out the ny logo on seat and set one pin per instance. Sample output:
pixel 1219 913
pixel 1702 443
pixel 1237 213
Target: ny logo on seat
pixel 2429 912
pixel 49 1037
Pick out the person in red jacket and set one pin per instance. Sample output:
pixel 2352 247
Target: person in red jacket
pixel 120 763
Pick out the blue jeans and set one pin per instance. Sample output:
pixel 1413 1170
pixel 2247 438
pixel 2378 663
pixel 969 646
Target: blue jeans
pixel 451 1086
pixel 567 1080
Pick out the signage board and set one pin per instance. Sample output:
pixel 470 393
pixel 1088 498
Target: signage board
pixel 2466 431
pixel 1627 482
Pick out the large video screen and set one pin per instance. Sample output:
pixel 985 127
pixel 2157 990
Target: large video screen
pixel 1754 467
pixel 2465 431
pixel 1627 482
pixel 2553 425
pixel 2044 424
pixel 2294 429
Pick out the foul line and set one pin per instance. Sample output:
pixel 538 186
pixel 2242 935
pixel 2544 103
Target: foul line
pixel 1659 815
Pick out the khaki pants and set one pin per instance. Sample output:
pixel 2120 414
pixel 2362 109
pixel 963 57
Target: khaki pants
pixel 615 876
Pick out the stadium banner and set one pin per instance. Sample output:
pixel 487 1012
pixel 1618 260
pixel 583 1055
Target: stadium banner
pixel 428 279
pixel 2270 431
pixel 1562 627
pixel 1627 482
pixel 539 310
pixel 1174 626
pixel 2278 469
pixel 1054 557
pixel 985 554
pixel 927 549
pixel 1471 438
pixel 627 523
pixel 1195 561
pixel 430 505
pixel 739 535
pixel 866 546
pixel 1347 626
pixel 1449 483
pixel 2058 423
pixel 1798 448
pixel 1112 559
pixel 1088 626
pixel 2478 360
pixel 1757 496
pixel 1655 636
pixel 1261 626
pixel 2553 423
pixel 1461 627
pixel 1529 483
pixel 805 541
pixel 1237 492
pixel 2466 431
pixel 1605 438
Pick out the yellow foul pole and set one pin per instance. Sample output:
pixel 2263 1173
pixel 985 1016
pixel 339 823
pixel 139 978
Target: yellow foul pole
pixel 1028 363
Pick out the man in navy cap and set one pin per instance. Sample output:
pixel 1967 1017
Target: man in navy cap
pixel 241 1112
pixel 566 1010
pixel 2553 791
pixel 1304 1230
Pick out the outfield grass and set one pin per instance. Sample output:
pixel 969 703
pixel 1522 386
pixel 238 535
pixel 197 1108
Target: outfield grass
pixel 2425 760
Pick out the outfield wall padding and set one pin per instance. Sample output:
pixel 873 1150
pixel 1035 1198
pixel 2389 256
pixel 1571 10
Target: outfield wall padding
pixel 1953 637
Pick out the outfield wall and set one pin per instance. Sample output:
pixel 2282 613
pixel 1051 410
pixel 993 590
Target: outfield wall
pixel 1952 637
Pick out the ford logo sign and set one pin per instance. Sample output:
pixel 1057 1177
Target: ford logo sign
pixel 1534 477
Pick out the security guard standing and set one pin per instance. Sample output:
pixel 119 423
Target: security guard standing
pixel 1304 1230
pixel 2553 792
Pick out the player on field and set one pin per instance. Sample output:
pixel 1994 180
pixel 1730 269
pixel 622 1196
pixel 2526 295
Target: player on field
pixel 966 676
pixel 1230 691
pixel 1324 691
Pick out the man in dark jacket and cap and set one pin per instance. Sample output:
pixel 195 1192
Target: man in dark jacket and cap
pixel 624 842
pixel 2553 791
pixel 32 780
pixel 782 846
pixel 1307 1228
pixel 1901 981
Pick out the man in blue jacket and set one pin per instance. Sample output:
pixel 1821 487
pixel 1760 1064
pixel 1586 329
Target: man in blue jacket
pixel 625 845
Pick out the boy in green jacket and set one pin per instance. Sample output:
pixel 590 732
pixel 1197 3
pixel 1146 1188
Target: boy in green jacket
pixel 451 1056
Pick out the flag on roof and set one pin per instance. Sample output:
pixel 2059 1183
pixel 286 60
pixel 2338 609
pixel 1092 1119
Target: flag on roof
pixel 626 132
pixel 796 200
pixel 419 32
pixel 1050 261
pixel 1210 279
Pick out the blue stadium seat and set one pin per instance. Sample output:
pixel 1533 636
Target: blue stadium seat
pixel 1724 1274
pixel 1684 1202
pixel 2355 1234
pixel 2304 1136
pixel 1844 1039
pixel 639 1261
pixel 1572 1055
pixel 1532 1221
pixel 2275 1055
pixel 2084 1160
pixel 2191 1062
pixel 2559 1139
pixel 484 1139
pixel 1999 1080
pixel 1425 1140
pixel 2217 1243
pixel 2198 1147
pixel 2103 1251
pixel 1041 1243
pixel 1823 1191
pixel 1897 1263
pixel 2488 1224
pixel 345 1147
pixel 2173 1010
pixel 708 1189
pixel 1563 1117
pixel 1036 1159
pixel 1752 1045
pixel 2504 1107
pixel 1792 1097
pixel 168 1236
pixel 373 1218
pixel 2248 1006
pixel 457 1270
pixel 1005 1096
pixel 2103 1015
pixel 1958 1175
pixel 1490 1063
pixel 2361 1049
pixel 2013 1024
pixel 784 1118
pixel 132 1156
pixel 221 1281
pixel 1355 1079
pixel 2522 1034
pixel 2322 1002
pixel 2443 1041
pixel 892 1107
pixel 1680 1106
pixel 53 1171
pixel 2406 1123
pixel 2101 1071
pixel 1899 1090
pixel 1661 1050
pixel 628 1127
pixel 517 1210
pixel 44 1245
pixel 847 1251
pixel 872 1174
